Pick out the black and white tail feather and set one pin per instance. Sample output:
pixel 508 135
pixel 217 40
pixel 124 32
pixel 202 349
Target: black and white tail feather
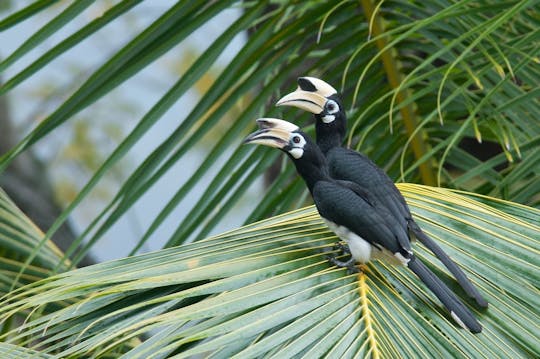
pixel 459 312
pixel 460 276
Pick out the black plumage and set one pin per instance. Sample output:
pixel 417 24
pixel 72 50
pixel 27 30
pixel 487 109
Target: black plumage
pixel 324 102
pixel 352 214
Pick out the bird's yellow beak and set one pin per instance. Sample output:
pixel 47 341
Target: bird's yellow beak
pixel 273 133
pixel 311 95
pixel 270 137
pixel 305 100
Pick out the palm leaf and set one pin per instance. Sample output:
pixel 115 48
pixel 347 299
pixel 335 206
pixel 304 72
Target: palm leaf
pixel 10 351
pixel 19 238
pixel 266 289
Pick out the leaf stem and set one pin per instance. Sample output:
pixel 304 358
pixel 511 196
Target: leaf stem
pixel 367 315
pixel 391 67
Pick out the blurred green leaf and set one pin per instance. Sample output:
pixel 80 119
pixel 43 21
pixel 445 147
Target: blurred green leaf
pixel 19 238
pixel 23 14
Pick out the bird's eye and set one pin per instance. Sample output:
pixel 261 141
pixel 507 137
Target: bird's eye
pixel 332 106
pixel 296 139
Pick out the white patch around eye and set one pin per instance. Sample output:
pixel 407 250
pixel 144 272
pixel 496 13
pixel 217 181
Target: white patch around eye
pixel 328 118
pixel 296 152
pixel 331 106
pixel 298 140
pixel 297 143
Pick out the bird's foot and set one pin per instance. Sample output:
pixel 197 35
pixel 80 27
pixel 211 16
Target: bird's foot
pixel 343 247
pixel 350 264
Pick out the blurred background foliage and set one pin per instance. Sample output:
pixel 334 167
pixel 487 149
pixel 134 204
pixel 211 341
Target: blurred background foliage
pixel 441 93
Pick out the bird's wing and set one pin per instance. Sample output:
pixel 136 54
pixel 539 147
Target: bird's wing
pixel 353 166
pixel 343 206
pixel 398 228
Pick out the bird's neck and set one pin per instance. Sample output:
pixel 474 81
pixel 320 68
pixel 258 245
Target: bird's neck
pixel 330 135
pixel 328 140
pixel 313 172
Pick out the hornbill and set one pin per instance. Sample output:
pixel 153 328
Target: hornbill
pixel 350 212
pixel 321 99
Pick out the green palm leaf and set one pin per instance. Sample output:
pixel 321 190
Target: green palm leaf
pixel 10 351
pixel 266 289
pixel 19 238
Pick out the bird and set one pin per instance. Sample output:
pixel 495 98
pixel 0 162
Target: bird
pixel 349 212
pixel 320 98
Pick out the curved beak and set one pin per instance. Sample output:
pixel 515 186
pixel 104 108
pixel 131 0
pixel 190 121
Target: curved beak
pixel 269 137
pixel 273 133
pixel 305 100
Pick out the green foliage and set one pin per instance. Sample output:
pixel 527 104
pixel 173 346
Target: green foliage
pixel 420 80
pixel 19 240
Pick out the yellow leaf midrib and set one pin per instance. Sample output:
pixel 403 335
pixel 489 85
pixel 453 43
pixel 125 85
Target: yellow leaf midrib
pixel 367 316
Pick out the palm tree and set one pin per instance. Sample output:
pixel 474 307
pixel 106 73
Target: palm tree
pixel 425 82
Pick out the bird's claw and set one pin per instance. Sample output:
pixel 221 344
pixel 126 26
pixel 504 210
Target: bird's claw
pixel 350 264
pixel 343 247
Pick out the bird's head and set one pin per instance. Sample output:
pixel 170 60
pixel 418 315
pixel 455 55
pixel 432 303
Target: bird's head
pixel 280 134
pixel 321 99
pixel 318 97
pixel 306 155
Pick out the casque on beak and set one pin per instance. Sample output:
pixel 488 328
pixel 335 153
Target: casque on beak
pixel 267 122
pixel 311 95
pixel 273 133
pixel 270 137
pixel 305 100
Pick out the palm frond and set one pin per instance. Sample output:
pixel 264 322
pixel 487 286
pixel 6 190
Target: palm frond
pixel 10 351
pixel 267 289
pixel 19 240
pixel 461 72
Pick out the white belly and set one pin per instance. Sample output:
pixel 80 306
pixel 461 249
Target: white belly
pixel 361 250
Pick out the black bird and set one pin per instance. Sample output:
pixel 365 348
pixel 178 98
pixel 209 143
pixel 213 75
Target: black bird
pixel 321 99
pixel 349 212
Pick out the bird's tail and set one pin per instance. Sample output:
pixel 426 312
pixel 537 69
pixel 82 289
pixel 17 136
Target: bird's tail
pixel 461 314
pixel 460 276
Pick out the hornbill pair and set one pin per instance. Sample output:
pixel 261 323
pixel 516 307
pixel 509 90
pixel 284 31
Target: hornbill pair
pixel 355 198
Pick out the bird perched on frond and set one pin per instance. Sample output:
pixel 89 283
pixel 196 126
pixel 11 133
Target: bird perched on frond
pixel 351 213
pixel 321 99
